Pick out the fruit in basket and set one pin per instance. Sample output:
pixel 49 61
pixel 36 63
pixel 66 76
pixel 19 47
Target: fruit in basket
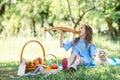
pixel 48 67
pixel 37 61
pixel 32 63
pixel 54 66
pixel 28 63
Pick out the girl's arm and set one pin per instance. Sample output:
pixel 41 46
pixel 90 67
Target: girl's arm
pixel 93 50
pixel 61 39
pixel 67 44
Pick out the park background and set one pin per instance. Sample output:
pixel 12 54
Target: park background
pixel 24 20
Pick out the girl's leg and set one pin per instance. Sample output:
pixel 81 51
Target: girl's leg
pixel 72 58
pixel 66 63
pixel 78 61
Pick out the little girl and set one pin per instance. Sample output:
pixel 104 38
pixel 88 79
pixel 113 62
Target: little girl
pixel 82 49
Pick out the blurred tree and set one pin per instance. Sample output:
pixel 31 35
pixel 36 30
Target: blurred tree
pixel 116 17
pixel 82 8
pixel 11 18
pixel 31 16
pixel 2 11
pixel 111 10
pixel 20 13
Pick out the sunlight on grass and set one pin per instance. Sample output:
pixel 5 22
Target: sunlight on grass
pixel 11 49
pixel 109 46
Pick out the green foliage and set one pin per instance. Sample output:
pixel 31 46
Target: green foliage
pixel 20 14
pixel 116 16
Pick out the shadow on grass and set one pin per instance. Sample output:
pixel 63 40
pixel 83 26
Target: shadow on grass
pixel 8 71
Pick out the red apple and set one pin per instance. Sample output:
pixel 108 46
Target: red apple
pixel 37 61
pixel 54 66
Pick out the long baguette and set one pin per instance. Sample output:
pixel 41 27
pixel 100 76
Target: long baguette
pixel 66 29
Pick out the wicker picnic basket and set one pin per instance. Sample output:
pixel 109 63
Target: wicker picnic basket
pixel 32 67
pixel 53 65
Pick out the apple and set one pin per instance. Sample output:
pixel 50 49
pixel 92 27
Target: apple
pixel 37 61
pixel 54 66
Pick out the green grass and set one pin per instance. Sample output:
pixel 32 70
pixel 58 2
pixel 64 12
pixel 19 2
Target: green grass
pixel 11 49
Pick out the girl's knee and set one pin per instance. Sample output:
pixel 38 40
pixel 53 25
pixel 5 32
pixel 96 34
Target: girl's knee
pixel 75 53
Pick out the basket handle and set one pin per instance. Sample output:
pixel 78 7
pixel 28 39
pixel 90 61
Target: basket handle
pixel 53 56
pixel 28 43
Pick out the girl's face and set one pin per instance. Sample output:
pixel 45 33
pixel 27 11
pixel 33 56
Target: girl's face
pixel 82 31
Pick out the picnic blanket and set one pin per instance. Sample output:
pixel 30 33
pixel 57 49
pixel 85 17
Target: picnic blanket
pixel 40 70
pixel 115 60
pixel 45 73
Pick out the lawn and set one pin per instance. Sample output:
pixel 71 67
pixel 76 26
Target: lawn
pixel 10 51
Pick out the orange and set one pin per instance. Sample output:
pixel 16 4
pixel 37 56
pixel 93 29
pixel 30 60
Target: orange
pixel 48 67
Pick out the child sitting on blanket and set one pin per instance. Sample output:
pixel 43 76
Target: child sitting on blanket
pixel 82 49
